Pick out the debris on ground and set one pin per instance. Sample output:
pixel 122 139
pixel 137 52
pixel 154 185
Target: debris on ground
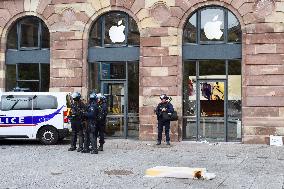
pixel 179 172
pixel 56 173
pixel 118 172
pixel 204 141
pixel 276 140
pixel 214 144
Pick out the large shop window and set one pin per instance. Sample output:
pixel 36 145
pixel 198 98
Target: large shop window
pixel 27 55
pixel 212 76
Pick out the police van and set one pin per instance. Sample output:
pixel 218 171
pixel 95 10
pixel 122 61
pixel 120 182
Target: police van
pixel 34 115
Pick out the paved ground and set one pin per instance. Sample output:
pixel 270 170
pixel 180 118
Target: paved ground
pixel 123 163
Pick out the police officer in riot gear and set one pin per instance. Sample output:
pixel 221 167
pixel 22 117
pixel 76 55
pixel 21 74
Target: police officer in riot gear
pixel 101 119
pixel 91 116
pixel 163 110
pixel 77 108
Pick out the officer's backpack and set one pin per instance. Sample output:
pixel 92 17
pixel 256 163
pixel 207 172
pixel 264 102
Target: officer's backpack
pixel 174 116
pixel 170 117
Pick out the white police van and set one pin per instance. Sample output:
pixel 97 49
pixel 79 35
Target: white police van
pixel 34 115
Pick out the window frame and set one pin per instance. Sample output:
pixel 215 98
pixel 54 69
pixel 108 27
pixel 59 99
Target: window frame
pixel 18 26
pixel 27 55
pixel 38 81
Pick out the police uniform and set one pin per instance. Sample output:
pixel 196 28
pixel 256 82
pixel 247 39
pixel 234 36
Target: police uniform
pixel 164 107
pixel 91 116
pixel 76 122
pixel 101 120
pixel 87 141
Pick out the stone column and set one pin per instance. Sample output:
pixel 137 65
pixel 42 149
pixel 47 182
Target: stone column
pixel 160 66
pixel 66 33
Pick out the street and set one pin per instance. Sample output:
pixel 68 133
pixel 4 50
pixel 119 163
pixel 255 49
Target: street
pixel 122 164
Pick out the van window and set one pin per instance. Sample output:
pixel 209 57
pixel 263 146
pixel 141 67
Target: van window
pixel 25 102
pixel 42 102
pixel 16 102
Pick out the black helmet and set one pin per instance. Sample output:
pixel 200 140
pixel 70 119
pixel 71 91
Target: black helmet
pixel 76 96
pixel 93 96
pixel 164 96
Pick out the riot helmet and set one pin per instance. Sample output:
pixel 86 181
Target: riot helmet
pixel 76 96
pixel 164 96
pixel 93 96
pixel 101 97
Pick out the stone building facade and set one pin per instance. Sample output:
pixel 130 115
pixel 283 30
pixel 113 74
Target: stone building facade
pixel 161 25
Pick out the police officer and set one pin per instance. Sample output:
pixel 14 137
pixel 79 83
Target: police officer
pixel 101 119
pixel 163 110
pixel 91 116
pixel 77 108
pixel 90 111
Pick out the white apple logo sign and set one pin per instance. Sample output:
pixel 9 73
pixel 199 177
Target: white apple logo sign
pixel 212 29
pixel 116 33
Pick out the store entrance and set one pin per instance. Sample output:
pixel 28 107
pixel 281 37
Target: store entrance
pixel 119 82
pixel 212 110
pixel 117 108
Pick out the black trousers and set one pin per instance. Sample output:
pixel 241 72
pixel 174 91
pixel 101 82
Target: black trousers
pixel 162 124
pixel 87 137
pixel 77 129
pixel 100 130
pixel 92 135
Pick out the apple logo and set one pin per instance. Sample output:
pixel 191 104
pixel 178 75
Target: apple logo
pixel 212 29
pixel 116 33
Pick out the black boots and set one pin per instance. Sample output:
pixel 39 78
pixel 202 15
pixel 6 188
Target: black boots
pixel 79 149
pixel 101 147
pixel 85 150
pixel 159 142
pixel 72 148
pixel 94 151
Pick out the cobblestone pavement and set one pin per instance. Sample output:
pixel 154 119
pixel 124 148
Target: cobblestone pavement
pixel 123 163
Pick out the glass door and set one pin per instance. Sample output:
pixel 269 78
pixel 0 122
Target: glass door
pixel 211 125
pixel 115 93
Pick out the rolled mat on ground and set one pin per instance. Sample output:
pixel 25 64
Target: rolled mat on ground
pixel 179 172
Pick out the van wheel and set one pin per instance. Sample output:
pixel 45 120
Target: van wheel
pixel 48 135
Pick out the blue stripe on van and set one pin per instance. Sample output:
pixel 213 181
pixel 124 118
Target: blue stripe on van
pixel 27 120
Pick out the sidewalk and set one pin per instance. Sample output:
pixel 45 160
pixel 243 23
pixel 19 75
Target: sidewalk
pixel 123 163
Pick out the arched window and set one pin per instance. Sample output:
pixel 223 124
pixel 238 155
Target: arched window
pixel 27 55
pixel 212 75
pixel 212 25
pixel 114 29
pixel 113 57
